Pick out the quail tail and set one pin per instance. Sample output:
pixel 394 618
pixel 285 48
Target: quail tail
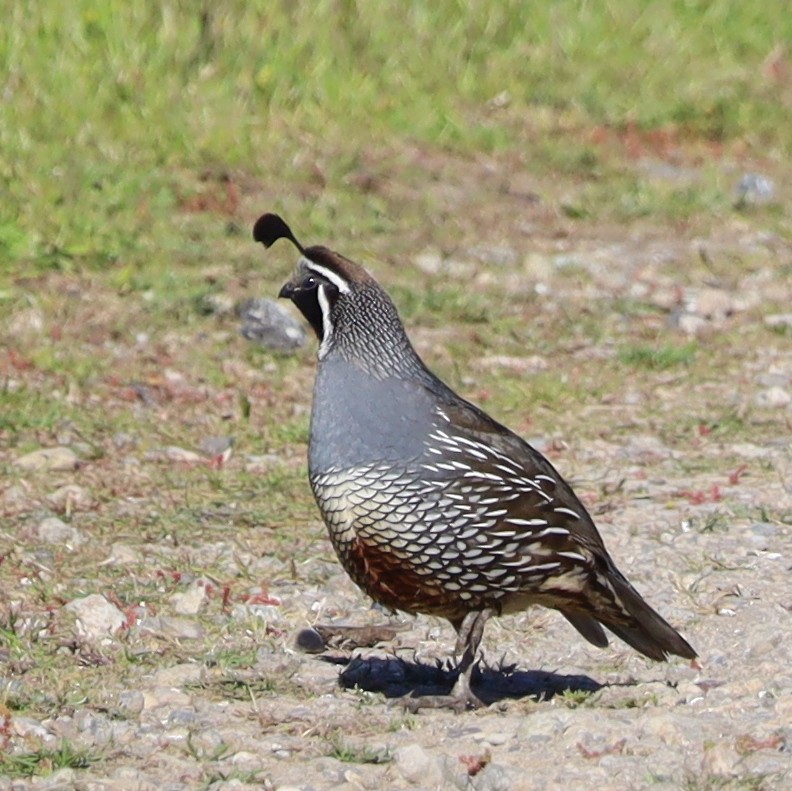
pixel 647 631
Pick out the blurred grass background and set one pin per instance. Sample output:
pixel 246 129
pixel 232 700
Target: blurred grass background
pixel 110 109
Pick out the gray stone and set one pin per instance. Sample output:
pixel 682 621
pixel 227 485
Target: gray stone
pixel 131 701
pixel 52 530
pixel 96 618
pixel 27 322
pixel 779 320
pixel 62 780
pixel 70 498
pixel 720 760
pixel 754 189
pixel 774 397
pixel 48 459
pixel 177 675
pixel 416 765
pixel 498 777
pixel 171 627
pixel 175 454
pixel 271 325
pixel 189 602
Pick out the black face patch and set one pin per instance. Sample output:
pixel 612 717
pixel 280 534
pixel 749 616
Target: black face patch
pixel 307 296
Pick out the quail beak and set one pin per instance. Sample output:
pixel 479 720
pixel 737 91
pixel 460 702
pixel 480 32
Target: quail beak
pixel 287 291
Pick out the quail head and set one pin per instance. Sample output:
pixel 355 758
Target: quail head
pixel 431 505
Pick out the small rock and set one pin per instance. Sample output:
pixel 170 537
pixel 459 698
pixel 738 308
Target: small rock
pixel 177 675
pixel 774 397
pixel 754 189
pixel 70 498
pixel 159 697
pixel 497 256
pixel 644 449
pixel 121 440
pixel 15 499
pixel 271 325
pixel 174 453
pixel 721 761
pixel 417 766
pixel 96 617
pixel 498 777
pixel 779 320
pixel 216 304
pixel 62 780
pixel 247 761
pixel 190 601
pixel 712 303
pixel 28 728
pixel 55 531
pixel 495 739
pixel 208 740
pixel 262 463
pixel 434 263
pixel 50 459
pixel 266 612
pixel 171 628
pixel 131 701
pixel 521 365
pixel 690 324
pixel 27 322
pixel 121 555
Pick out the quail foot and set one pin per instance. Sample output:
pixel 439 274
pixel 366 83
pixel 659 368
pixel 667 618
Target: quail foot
pixel 432 506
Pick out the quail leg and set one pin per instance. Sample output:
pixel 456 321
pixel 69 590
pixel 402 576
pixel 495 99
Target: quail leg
pixel 469 632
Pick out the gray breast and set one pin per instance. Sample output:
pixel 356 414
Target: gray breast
pixel 359 420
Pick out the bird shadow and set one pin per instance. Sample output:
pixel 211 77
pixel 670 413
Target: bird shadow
pixel 395 677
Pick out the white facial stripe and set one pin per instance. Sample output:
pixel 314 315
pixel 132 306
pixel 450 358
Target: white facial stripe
pixel 327 274
pixel 327 325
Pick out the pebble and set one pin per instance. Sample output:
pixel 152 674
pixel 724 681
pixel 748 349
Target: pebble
pixel 500 256
pixel 720 760
pixel 177 675
pixel 271 325
pixel 131 702
pixel 175 454
pixel 417 766
pixel 121 555
pixel 754 189
pixel 779 320
pixel 521 365
pixel 96 618
pixel 58 459
pixel 434 263
pixel 28 322
pixel 28 728
pixel 690 324
pixel 774 397
pixel 171 628
pixel 70 498
pixel 189 602
pixel 714 304
pixel 52 530
pixel 262 463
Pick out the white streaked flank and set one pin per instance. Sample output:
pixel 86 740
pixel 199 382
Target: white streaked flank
pixel 568 512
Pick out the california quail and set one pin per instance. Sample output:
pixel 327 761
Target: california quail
pixel 432 506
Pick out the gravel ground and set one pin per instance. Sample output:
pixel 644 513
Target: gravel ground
pixel 234 693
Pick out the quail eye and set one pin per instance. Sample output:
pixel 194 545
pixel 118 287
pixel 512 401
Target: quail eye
pixel 309 282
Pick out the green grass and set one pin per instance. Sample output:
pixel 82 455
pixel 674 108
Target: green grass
pixel 46 761
pixel 342 750
pixel 118 115
pixel 658 357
